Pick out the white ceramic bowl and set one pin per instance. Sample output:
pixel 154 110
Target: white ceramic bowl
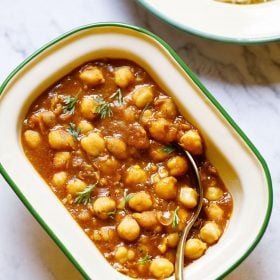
pixel 238 162
pixel 213 19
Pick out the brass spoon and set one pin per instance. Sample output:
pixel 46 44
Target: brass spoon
pixel 179 265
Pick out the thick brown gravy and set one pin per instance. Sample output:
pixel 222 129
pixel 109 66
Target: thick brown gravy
pixel 101 137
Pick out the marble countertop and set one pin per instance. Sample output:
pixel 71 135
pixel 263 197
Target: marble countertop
pixel 244 79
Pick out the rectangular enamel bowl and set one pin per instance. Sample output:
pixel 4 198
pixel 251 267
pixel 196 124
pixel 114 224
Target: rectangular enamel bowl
pixel 240 165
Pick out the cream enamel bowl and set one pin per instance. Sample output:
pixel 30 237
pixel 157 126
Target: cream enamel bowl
pixel 238 162
pixel 217 20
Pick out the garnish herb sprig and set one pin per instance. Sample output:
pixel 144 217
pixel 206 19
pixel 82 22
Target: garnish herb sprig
pixel 104 109
pixel 84 196
pixel 127 197
pixel 69 104
pixel 143 260
pixel 176 219
pixel 73 130
pixel 119 96
pixel 168 149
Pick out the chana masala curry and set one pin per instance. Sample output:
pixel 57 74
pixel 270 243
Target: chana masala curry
pixel 103 140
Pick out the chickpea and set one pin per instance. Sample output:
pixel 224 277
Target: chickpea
pixel 166 188
pixel 143 96
pixel 121 203
pixel 123 76
pixel 56 106
pixel 155 178
pixel 88 107
pixel 107 233
pixel 104 234
pixel 48 117
pixel 188 197
pixel 214 193
pixel 162 246
pixel 158 154
pixel 128 229
pixel 130 114
pixel 146 219
pixel 183 218
pixel 138 137
pixel 59 179
pixel 130 255
pixel 136 175
pixel 177 166
pixel 214 212
pixel 142 268
pixel 210 232
pixel 167 108
pixel 108 166
pixel 96 236
pixel 121 254
pixel 117 147
pixel 75 185
pixel 32 138
pixel 61 140
pixel 161 268
pixel 92 75
pixel 84 215
pixel 102 206
pixel 140 201
pixel 146 116
pixel 93 144
pixel 194 248
pixel 61 159
pixel 163 130
pixel 191 141
pixel 172 239
pixel 85 126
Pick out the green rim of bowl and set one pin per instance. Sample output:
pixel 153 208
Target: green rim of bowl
pixel 201 34
pixel 33 211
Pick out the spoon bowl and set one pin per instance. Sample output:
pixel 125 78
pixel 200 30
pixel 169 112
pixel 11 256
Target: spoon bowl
pixel 179 265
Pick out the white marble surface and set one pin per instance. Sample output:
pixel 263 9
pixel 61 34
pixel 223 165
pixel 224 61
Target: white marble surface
pixel 245 79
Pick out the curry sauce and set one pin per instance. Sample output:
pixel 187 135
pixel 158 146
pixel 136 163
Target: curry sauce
pixel 103 139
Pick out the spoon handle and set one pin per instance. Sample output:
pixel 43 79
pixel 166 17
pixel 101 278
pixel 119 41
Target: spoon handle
pixel 179 265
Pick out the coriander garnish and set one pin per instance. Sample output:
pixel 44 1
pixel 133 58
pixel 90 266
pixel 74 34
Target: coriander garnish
pixel 168 149
pixel 127 197
pixel 175 220
pixel 119 96
pixel 73 130
pixel 83 197
pixel 69 104
pixel 103 108
pixel 143 260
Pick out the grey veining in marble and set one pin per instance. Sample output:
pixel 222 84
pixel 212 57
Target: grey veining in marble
pixel 244 79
